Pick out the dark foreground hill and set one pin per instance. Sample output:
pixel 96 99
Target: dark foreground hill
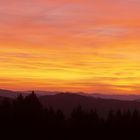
pixel 66 102
pixel 25 118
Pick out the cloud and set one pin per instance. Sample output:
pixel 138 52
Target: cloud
pixel 80 45
pixel 107 31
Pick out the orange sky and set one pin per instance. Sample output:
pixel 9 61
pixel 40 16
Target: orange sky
pixel 70 45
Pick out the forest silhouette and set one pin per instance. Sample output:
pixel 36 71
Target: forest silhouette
pixel 25 118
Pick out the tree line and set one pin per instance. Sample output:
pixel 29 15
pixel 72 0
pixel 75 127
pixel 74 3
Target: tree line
pixel 25 117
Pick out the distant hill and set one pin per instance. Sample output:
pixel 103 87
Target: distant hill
pixel 14 94
pixel 126 97
pixel 8 93
pixel 66 102
pixel 41 93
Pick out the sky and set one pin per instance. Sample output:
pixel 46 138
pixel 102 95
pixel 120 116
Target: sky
pixel 88 46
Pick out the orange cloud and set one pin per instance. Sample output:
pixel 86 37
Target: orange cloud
pixel 77 45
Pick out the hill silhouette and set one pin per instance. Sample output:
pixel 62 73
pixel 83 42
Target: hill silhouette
pixel 25 118
pixel 66 102
pixel 8 93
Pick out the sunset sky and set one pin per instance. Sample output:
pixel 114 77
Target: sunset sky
pixel 70 45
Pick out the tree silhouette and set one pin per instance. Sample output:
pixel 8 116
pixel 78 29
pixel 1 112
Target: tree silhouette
pixel 25 117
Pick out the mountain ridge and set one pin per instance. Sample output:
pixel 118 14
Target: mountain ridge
pixel 125 97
